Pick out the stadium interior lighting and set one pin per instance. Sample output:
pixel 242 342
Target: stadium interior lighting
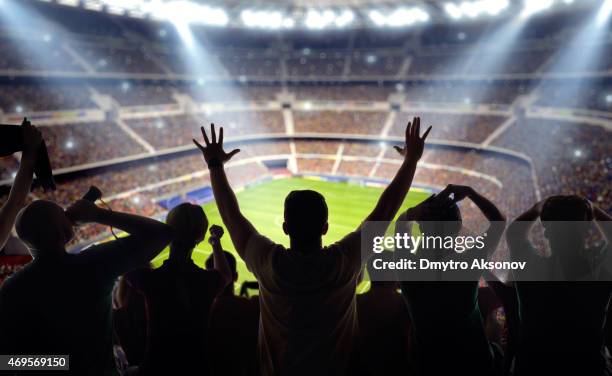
pixel 323 19
pixel 266 19
pixel 399 17
pixel 70 3
pixel 531 7
pixel 604 13
pixel 185 12
pixel 474 9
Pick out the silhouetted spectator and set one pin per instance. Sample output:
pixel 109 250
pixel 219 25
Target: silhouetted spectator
pixel 129 321
pixel 60 303
pixel 21 186
pixel 234 323
pixel 562 318
pixel 448 330
pixel 307 292
pixel 384 332
pixel 179 295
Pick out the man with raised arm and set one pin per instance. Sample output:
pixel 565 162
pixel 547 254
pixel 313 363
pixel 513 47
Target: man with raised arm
pixel 60 303
pixel 308 322
pixel 21 186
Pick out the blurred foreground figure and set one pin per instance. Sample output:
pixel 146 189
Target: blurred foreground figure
pixel 61 303
pixel 448 330
pixel 234 322
pixel 32 139
pixel 384 332
pixel 562 319
pixel 179 295
pixel 307 296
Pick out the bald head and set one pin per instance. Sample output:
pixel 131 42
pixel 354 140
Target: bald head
pixel 43 225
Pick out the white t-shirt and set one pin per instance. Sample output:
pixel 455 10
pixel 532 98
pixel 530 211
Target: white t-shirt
pixel 308 322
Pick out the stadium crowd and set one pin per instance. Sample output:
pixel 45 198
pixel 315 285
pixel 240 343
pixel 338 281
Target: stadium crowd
pixel 180 310
pixel 113 313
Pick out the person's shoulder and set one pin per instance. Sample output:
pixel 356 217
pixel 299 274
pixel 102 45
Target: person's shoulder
pixel 350 240
pixel 260 241
pixel 16 282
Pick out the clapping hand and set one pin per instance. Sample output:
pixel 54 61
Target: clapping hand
pixel 31 137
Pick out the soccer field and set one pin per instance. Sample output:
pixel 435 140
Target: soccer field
pixel 262 204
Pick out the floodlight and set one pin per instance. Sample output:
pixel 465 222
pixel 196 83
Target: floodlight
pixel 531 7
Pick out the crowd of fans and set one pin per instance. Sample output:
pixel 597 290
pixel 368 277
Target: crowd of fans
pixel 316 147
pixel 317 64
pixel 77 144
pixel 25 55
pixel 250 63
pixel 173 131
pixel 139 94
pixel 459 127
pixel 577 95
pixel 354 168
pixel 350 122
pixel 124 58
pixel 339 92
pixel 47 229
pixel 371 63
pixel 568 157
pixel 28 98
pixel 315 165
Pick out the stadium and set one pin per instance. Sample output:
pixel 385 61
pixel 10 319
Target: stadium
pixel 519 95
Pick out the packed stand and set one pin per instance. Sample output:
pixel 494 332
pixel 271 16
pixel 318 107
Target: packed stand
pixel 373 63
pixel 454 126
pixel 128 93
pixel 27 98
pixel 77 144
pixel 342 92
pixel 24 55
pixel 568 157
pixel 347 122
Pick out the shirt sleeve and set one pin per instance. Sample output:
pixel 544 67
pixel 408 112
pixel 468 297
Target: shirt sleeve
pixel 258 255
pixel 350 250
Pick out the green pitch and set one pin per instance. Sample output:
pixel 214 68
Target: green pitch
pixel 262 204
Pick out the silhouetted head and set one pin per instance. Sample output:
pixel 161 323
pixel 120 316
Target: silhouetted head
pixel 44 226
pixel 231 260
pixel 440 218
pixel 189 225
pixel 305 217
pixel 566 219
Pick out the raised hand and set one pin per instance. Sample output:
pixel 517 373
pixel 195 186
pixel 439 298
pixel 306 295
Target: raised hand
pixel 414 143
pixel 82 211
pixel 459 192
pixel 213 151
pixel 31 136
pixel 216 232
